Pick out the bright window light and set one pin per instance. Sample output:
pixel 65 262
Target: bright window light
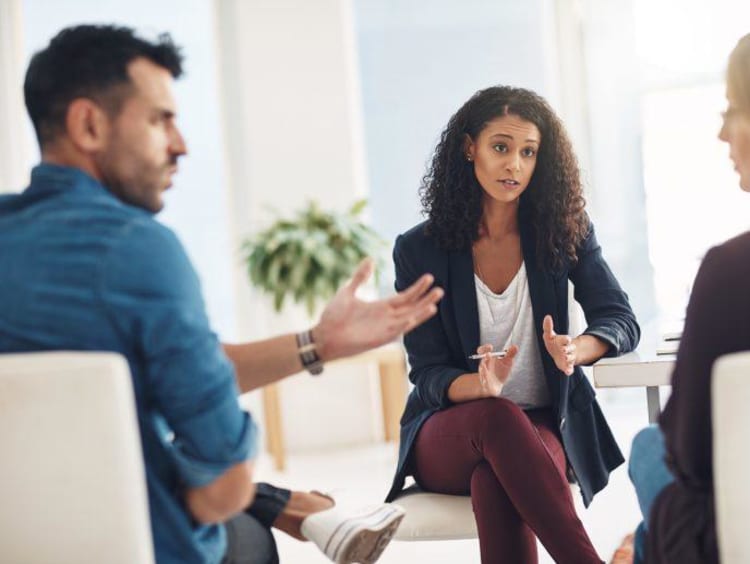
pixel 693 199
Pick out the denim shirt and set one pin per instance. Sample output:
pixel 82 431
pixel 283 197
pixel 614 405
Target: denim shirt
pixel 81 270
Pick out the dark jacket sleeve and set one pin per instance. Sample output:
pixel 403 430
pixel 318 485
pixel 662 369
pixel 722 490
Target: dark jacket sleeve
pixel 433 366
pixel 606 306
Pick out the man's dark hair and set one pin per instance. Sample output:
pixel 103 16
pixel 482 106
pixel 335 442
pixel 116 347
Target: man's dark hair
pixel 88 61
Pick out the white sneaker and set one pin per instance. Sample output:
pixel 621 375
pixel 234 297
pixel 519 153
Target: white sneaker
pixel 361 537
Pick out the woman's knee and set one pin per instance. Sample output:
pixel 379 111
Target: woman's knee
pixel 646 451
pixel 496 414
pixel 483 477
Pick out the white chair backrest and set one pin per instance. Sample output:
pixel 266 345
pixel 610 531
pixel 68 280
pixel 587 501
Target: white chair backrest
pixel 731 423
pixel 72 481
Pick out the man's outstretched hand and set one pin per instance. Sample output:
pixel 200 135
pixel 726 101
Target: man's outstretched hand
pixel 350 326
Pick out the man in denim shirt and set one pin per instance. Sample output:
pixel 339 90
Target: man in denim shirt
pixel 85 266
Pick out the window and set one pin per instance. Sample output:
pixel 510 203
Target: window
pixel 693 200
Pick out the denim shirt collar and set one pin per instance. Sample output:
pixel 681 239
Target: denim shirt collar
pixel 49 178
pixel 57 177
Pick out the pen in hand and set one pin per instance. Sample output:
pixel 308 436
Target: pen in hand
pixel 498 354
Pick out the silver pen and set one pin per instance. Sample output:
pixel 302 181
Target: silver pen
pixel 498 354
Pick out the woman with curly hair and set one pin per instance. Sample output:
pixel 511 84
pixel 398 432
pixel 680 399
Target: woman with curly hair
pixel 505 232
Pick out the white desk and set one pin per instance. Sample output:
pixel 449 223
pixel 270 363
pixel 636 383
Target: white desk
pixel 642 367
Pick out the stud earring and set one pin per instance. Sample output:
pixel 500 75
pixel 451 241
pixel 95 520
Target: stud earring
pixel 468 158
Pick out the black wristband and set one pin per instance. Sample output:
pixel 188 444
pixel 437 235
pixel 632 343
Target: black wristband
pixel 308 353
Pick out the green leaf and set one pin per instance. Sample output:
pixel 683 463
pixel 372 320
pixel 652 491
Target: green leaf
pixel 358 206
pixel 309 254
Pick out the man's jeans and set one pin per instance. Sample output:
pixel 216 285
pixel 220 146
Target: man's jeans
pixel 249 537
pixel 649 473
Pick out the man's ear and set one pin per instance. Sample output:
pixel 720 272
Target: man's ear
pixel 87 125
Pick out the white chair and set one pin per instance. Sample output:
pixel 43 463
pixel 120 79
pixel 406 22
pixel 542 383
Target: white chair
pixel 432 516
pixel 72 481
pixel 731 424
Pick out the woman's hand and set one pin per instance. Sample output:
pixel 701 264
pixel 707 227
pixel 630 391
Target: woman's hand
pixel 494 371
pixel 561 348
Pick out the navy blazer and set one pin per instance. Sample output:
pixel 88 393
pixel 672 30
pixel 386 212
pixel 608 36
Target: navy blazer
pixel 439 348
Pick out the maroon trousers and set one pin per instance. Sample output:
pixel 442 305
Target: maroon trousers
pixel 512 464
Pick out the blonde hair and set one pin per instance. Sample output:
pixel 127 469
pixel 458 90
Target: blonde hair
pixel 738 73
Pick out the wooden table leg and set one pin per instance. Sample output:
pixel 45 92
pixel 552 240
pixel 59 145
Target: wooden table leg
pixel 654 406
pixel 274 429
pixel 393 391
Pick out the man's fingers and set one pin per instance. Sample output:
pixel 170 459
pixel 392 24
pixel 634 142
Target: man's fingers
pixel 430 298
pixel 481 349
pixel 548 327
pixel 417 318
pixel 410 315
pixel 363 272
pixel 413 292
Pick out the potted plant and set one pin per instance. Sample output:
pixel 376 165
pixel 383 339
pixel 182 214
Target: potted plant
pixel 308 257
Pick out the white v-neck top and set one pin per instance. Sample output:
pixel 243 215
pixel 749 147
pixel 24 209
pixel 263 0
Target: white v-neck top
pixel 507 319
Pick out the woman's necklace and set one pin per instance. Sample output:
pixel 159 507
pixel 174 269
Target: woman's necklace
pixel 518 298
pixel 476 263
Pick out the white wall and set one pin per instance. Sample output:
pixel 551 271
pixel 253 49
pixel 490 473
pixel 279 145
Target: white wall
pixel 291 99
pixel 420 61
pixel 15 137
pixel 617 198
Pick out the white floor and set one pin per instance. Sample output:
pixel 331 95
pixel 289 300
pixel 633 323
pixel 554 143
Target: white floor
pixel 361 475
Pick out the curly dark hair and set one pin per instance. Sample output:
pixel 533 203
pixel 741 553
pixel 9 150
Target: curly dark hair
pixel 452 197
pixel 88 61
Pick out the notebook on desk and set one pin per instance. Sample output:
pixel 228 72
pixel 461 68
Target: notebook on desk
pixel 669 342
pixel 667 347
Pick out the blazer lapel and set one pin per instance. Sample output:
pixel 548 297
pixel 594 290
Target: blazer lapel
pixel 543 302
pixel 464 296
pixel 540 283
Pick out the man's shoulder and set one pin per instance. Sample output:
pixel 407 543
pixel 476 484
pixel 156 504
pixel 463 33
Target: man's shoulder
pixel 145 229
pixel 147 246
pixel 121 227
